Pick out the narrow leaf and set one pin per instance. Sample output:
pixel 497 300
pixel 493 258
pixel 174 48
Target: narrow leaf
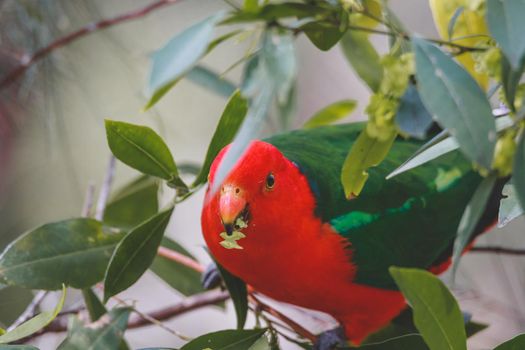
pixel 365 153
pixel 74 252
pixel 471 216
pixel 226 340
pixel 453 21
pixel 134 203
pixel 412 117
pixel 239 294
pixel 331 113
pixel 94 306
pixel 229 124
pixel 510 79
pixel 210 80
pixel 509 207
pixel 181 278
pixel 505 20
pixel 34 324
pixel 456 102
pixel 141 148
pixel 363 57
pixel 134 254
pixel 516 343
pixel 106 333
pixel 436 313
pixel 179 55
pixel 518 171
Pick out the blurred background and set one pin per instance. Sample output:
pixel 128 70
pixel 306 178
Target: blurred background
pixel 52 143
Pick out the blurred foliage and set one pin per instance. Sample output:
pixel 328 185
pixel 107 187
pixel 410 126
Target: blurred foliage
pixel 418 84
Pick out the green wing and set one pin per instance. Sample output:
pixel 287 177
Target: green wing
pixel 409 220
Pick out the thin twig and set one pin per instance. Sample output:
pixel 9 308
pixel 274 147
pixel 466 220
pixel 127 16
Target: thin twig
pixel 498 250
pixel 88 201
pixel 29 59
pixel 105 189
pixel 30 310
pixel 181 259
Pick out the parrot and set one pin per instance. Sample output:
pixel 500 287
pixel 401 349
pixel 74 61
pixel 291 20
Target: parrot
pixel 280 221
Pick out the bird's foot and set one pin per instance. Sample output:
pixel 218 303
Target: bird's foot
pixel 331 339
pixel 211 277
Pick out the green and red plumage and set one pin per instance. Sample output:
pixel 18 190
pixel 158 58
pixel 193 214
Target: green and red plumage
pixel 307 245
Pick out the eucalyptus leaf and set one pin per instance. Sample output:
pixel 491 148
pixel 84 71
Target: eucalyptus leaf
pixel 179 55
pixel 456 102
pixel 181 278
pixel 13 301
pixel 439 145
pixel 331 113
pixel 505 20
pixel 516 343
pixel 229 123
pixel 226 340
pixel 323 34
pixel 106 333
pixel 412 117
pixel 365 153
pixel 509 207
pixel 274 11
pixel 74 252
pixel 141 148
pixel 239 294
pixel 510 79
pixel 518 171
pixel 134 254
pixel 436 313
pixel 94 306
pixel 212 81
pixel 133 204
pixel 34 324
pixel 363 57
pixel 471 216
pixel 453 20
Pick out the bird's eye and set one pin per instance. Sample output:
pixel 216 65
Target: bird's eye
pixel 270 181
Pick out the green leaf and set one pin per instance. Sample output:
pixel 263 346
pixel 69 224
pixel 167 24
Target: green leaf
pixel 363 57
pixel 439 145
pixel 453 20
pixel 181 278
pixel 518 171
pixel 272 12
pixel 229 124
pixel 509 207
pixel 505 20
pixel 74 252
pixel 456 101
pixel 93 304
pixel 516 343
pixel 239 294
pixel 412 117
pixel 34 324
pixel 134 254
pixel 179 55
pixel 323 34
pixel 133 204
pixel 331 113
pixel 106 333
pixel 365 153
pixel 510 79
pixel 436 313
pixel 210 80
pixel 251 5
pixel 471 216
pixel 141 148
pixel 226 340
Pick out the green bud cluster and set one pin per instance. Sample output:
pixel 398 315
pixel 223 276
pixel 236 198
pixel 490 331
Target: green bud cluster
pixel 383 105
pixel 489 62
pixel 504 153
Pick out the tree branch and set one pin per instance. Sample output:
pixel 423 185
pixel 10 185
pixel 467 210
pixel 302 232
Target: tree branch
pixel 181 259
pixel 28 60
pixel 498 250
pixel 105 189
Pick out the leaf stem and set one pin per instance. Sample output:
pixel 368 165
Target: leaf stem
pixel 497 250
